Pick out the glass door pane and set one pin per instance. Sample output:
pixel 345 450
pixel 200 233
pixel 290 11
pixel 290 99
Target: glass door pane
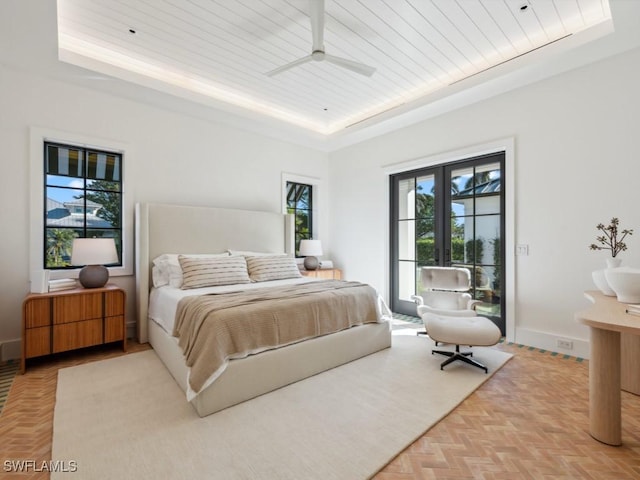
pixel 475 232
pixel 414 238
pixel 449 215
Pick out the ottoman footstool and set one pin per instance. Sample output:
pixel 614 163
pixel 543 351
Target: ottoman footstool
pixel 471 331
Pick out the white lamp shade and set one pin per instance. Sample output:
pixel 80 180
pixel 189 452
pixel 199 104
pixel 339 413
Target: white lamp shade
pixel 310 248
pixel 93 251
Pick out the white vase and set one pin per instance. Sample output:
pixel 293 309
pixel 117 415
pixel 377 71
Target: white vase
pixel 613 262
pixel 600 280
pixel 625 282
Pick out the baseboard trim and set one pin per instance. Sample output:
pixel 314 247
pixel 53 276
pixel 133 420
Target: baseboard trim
pixel 549 341
pixel 10 350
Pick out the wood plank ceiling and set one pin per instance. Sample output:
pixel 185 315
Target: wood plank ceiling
pixel 223 48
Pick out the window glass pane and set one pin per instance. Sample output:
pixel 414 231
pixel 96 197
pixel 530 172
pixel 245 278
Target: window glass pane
pixel 462 251
pixel 487 231
pixel 58 246
pixel 103 209
pixel 63 208
pixel 103 166
pixel 64 161
pixel 425 248
pixel 488 204
pixel 300 204
pixel 406 239
pixel 487 179
pixel 302 223
pixel 83 199
pixel 425 197
pixel 406 280
pixel 462 182
pixel 64 181
pixel 406 199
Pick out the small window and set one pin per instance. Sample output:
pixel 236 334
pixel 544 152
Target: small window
pixel 300 204
pixel 83 199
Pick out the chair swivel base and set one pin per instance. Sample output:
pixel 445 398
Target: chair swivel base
pixel 458 355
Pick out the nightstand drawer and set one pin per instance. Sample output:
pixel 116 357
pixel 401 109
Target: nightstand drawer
pixel 113 329
pixel 38 342
pixel 72 308
pixel 113 303
pixel 38 313
pixel 69 336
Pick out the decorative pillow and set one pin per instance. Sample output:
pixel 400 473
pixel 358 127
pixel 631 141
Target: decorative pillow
pixel 208 272
pixel 169 266
pixel 272 267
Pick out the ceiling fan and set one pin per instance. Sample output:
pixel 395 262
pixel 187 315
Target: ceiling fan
pixel 316 15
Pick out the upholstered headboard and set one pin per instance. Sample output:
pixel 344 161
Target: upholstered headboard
pixel 162 228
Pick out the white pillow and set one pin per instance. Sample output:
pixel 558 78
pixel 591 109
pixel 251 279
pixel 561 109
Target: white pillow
pixel 169 266
pixel 159 276
pixel 272 267
pixel 208 272
pixel 254 254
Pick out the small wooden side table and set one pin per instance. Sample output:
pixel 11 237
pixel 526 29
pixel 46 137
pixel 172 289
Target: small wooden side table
pixel 326 273
pixel 70 319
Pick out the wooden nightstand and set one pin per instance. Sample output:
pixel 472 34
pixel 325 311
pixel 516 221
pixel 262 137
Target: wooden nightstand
pixel 70 319
pixel 328 273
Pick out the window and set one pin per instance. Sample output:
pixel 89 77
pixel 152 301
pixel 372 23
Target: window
pixel 300 204
pixel 82 199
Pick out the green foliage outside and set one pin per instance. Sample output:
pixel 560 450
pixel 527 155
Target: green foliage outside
pixel 110 200
pixel 425 250
pixel 474 250
pixel 59 241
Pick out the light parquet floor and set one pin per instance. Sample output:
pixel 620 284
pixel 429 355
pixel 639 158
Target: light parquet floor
pixel 529 421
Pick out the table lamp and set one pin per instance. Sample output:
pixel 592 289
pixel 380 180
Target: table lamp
pixel 94 254
pixel 309 249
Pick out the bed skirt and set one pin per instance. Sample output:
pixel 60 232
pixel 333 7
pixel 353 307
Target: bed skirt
pixel 255 375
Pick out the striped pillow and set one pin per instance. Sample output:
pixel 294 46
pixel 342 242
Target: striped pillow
pixel 272 267
pixel 208 272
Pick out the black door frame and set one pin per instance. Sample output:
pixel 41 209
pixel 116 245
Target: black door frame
pixel 442 228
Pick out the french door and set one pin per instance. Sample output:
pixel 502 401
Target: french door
pixel 450 215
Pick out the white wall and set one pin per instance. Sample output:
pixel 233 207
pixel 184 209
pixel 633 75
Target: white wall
pixel 177 158
pixel 577 163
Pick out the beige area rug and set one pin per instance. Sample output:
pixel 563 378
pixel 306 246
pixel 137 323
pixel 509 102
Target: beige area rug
pixel 126 418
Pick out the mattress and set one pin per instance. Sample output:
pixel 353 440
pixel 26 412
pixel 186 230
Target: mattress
pixel 163 301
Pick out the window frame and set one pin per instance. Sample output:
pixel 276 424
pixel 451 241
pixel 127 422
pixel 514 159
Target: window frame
pixel 37 138
pixel 85 189
pixel 315 184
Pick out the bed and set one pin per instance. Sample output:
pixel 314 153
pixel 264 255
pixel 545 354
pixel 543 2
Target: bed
pixel 162 229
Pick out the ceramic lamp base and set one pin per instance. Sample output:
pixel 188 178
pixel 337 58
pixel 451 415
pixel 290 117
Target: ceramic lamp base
pixel 93 276
pixel 311 263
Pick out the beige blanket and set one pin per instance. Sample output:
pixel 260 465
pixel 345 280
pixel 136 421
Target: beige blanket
pixel 215 328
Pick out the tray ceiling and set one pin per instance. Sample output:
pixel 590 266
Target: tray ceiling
pixel 221 50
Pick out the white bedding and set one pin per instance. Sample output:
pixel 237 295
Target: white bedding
pixel 163 301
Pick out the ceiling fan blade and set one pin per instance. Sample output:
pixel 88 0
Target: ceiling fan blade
pixel 295 63
pixel 316 15
pixel 357 67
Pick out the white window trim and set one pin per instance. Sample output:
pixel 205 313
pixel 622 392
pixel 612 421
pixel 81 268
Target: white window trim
pixel 315 192
pixel 37 137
